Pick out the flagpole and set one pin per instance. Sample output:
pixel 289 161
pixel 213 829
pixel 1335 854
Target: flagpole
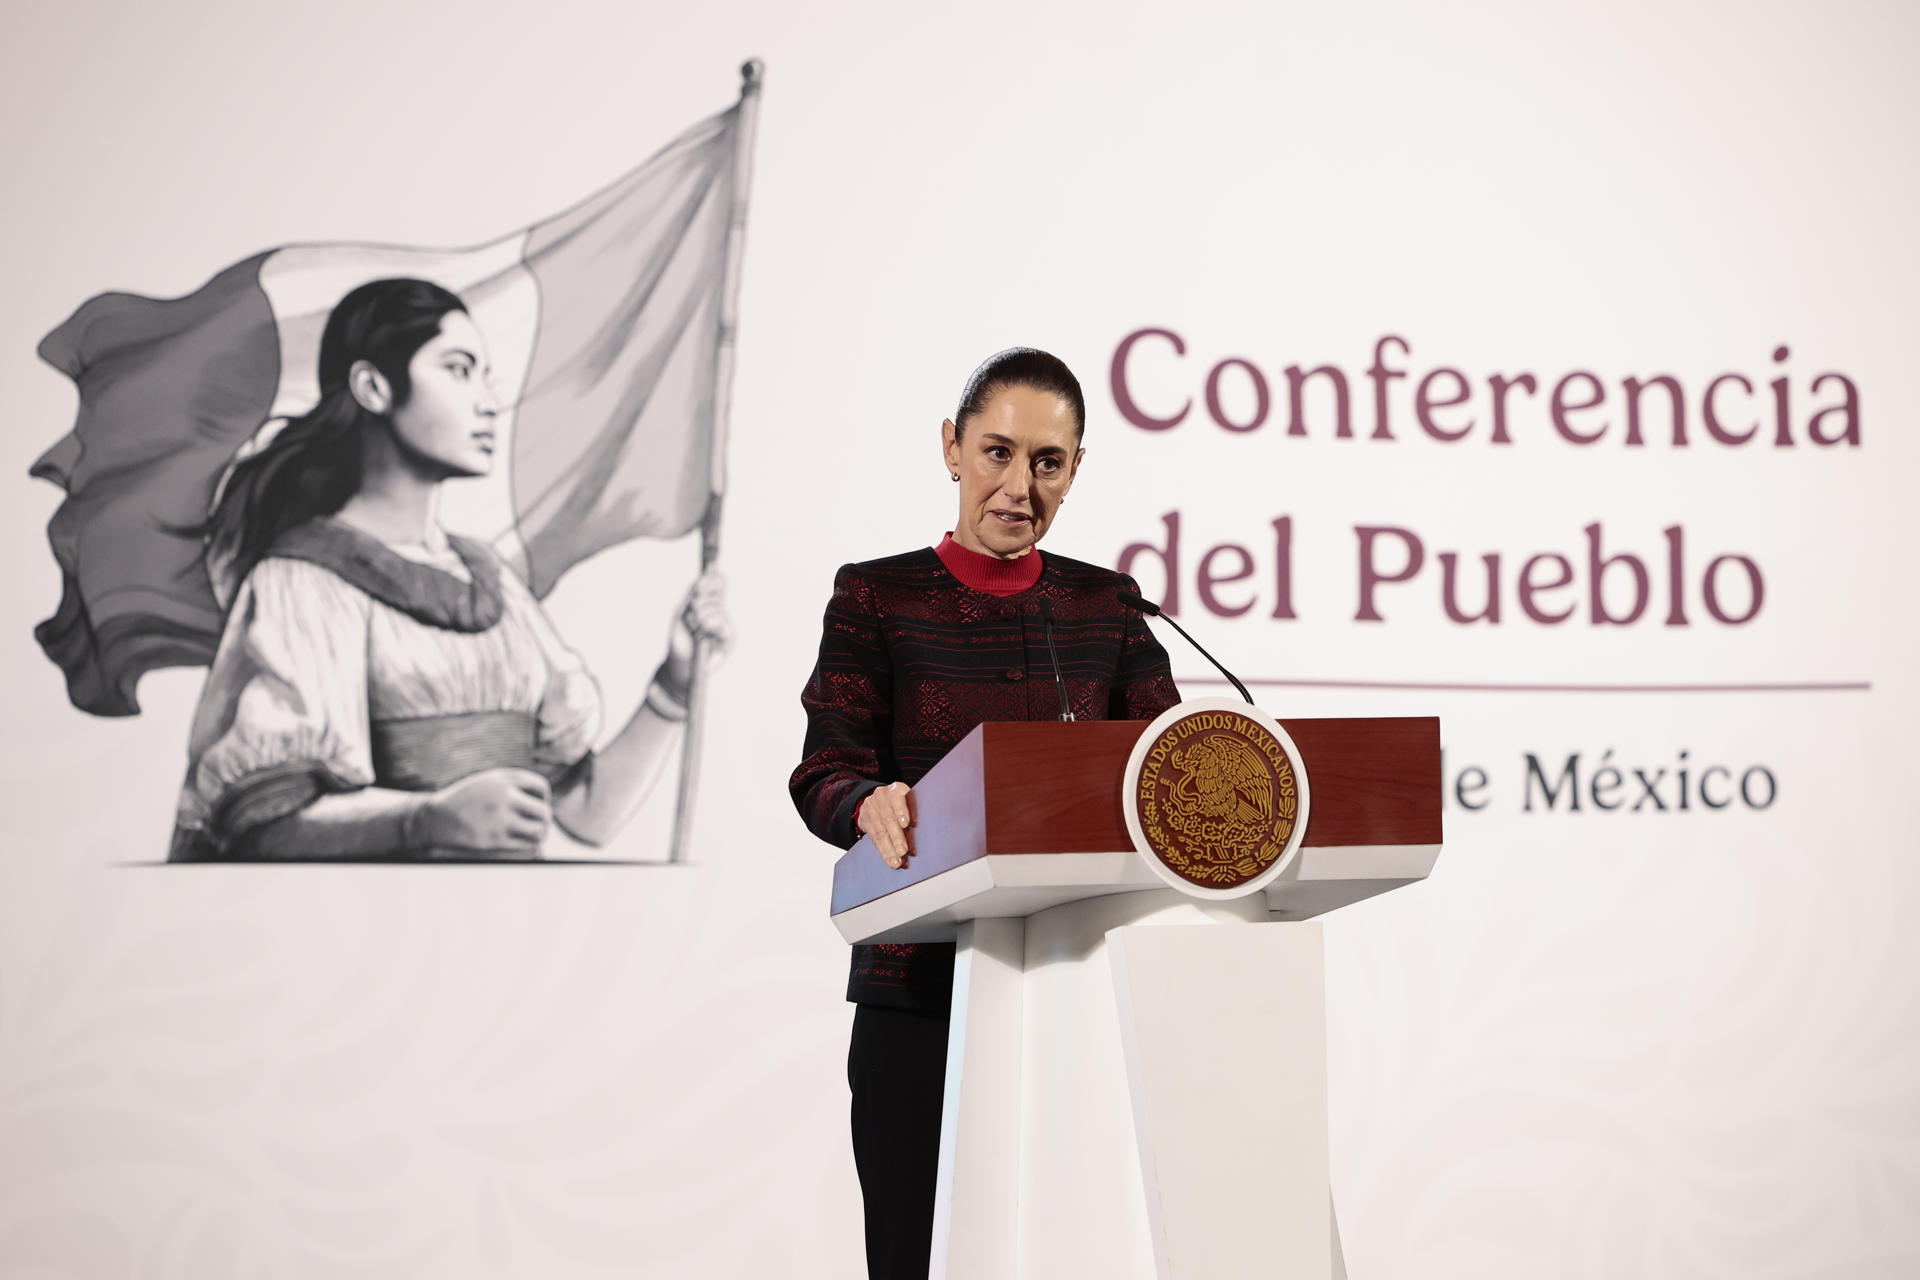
pixel 749 109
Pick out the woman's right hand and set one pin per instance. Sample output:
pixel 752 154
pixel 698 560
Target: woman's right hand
pixel 885 815
pixel 494 810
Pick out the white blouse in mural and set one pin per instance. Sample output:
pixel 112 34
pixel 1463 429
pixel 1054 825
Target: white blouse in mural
pixel 326 664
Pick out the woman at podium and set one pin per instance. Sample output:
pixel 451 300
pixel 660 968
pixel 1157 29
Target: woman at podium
pixel 915 651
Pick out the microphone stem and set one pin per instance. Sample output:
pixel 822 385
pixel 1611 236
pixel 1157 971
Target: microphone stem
pixel 1059 681
pixel 1247 697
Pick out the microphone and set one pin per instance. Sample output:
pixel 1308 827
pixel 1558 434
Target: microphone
pixel 1134 600
pixel 1059 681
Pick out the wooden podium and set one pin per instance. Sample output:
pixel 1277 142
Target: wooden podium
pixel 1133 1090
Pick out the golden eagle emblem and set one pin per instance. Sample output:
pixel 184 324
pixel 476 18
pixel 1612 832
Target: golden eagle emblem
pixel 1217 797
pixel 1224 778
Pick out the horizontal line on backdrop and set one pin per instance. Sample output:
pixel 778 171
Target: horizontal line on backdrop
pixel 1438 686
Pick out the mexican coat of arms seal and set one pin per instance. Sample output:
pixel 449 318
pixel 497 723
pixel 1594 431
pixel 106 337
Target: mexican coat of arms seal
pixel 1216 797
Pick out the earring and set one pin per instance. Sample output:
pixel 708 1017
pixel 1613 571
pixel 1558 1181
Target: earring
pixel 954 476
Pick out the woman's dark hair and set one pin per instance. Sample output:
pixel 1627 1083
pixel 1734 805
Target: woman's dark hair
pixel 1021 367
pixel 312 466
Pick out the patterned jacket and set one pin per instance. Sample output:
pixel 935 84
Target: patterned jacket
pixel 911 659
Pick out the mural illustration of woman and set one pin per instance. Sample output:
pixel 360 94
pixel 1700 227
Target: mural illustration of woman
pixel 383 689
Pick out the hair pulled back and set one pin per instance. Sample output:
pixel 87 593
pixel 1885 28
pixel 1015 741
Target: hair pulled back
pixel 313 465
pixel 1020 367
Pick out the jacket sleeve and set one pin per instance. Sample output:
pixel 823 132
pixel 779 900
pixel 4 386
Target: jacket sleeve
pixel 849 704
pixel 1143 686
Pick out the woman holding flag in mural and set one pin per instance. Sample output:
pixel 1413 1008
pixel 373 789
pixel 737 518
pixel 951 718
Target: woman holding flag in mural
pixel 383 688
pixel 379 688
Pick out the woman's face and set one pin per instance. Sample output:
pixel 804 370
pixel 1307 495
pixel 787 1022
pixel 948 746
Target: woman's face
pixel 448 418
pixel 1016 462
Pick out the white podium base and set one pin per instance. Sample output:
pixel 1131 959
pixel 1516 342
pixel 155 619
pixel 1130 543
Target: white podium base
pixel 1136 1092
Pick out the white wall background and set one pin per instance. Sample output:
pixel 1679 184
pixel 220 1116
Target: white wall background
pixel 1594 1044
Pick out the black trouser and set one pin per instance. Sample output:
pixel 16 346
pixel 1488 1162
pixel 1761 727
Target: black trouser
pixel 897 1069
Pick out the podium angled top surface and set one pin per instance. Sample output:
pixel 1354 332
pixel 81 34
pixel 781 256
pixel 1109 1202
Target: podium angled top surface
pixel 1045 787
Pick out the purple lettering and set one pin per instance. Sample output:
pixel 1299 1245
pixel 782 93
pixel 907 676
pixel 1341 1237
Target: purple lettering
pixel 1169 557
pixel 1755 586
pixel 1850 434
pixel 1370 575
pixel 1283 568
pixel 1380 375
pixel 1123 398
pixel 1676 397
pixel 1449 598
pixel 1561 408
pixel 1296 400
pixel 1782 436
pixel 1260 398
pixel 1597 567
pixel 1711 414
pixel 1209 579
pixel 1424 405
pixel 1500 382
pixel 1529 588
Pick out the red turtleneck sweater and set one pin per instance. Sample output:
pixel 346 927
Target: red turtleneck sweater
pixel 987 573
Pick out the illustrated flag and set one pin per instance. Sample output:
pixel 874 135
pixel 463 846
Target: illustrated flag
pixel 605 326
